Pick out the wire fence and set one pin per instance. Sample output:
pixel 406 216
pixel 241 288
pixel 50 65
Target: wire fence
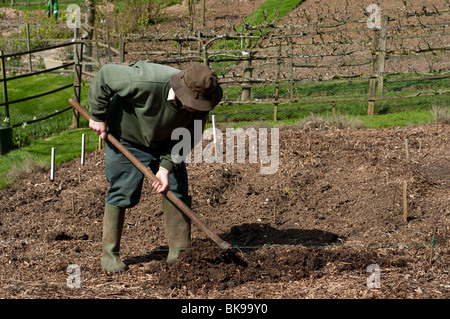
pixel 36 106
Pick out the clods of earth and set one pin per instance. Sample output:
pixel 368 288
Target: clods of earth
pixel 329 223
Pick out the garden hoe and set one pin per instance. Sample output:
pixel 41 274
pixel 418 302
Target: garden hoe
pixel 148 173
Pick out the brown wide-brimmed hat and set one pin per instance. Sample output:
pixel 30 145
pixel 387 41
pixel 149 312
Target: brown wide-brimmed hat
pixel 197 87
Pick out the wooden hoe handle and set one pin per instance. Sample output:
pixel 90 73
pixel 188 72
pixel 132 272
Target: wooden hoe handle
pixel 147 172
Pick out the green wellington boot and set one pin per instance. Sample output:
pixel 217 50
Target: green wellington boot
pixel 113 220
pixel 177 227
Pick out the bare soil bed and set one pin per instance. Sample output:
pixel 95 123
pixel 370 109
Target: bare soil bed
pixel 311 230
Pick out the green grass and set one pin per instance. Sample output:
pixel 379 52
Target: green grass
pixel 401 119
pixel 32 85
pixel 37 139
pixel 268 12
pixel 293 113
pixel 23 112
pixel 272 10
pixel 67 147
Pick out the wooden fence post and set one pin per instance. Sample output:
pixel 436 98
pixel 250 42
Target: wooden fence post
pixel 96 44
pixel 205 55
pixel 382 56
pixel 202 49
pixel 89 33
pixel 246 89
pixel 405 202
pixel 6 133
pixel 191 14
pixel 372 81
pixel 277 82
pixel 77 77
pixel 30 68
pixel 291 63
pixel 108 45
pixel 122 49
pixel 204 13
pixel 5 89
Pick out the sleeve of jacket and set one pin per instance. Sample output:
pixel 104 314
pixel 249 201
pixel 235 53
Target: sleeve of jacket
pixel 170 161
pixel 111 79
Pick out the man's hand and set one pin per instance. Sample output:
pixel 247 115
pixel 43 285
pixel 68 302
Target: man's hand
pixel 99 128
pixel 163 176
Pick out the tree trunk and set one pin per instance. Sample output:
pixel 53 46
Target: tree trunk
pixel 90 20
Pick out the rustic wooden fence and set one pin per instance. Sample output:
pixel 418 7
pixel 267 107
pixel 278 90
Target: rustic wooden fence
pixel 268 64
pixel 6 136
pixel 76 65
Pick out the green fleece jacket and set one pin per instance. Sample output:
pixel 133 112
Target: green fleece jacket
pixel 133 101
